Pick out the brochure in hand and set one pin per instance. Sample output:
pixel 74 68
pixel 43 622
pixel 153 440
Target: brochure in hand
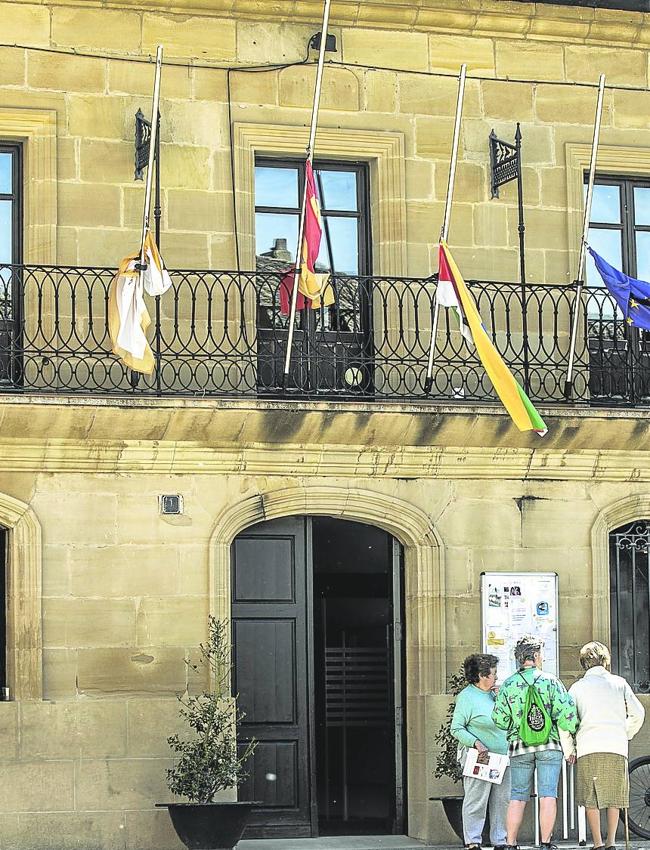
pixel 487 766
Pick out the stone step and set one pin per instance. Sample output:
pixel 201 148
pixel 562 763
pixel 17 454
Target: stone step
pixel 386 842
pixel 355 842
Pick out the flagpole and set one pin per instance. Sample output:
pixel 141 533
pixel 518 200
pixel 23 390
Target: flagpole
pixel 310 159
pixel 568 385
pixel 521 227
pixel 428 384
pixel 141 265
pixel 152 152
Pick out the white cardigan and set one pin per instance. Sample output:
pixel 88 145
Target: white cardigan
pixel 610 714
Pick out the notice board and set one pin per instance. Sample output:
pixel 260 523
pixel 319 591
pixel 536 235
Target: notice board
pixel 514 604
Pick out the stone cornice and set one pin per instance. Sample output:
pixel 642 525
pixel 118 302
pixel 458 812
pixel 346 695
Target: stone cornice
pixel 188 436
pixel 471 17
pixel 452 463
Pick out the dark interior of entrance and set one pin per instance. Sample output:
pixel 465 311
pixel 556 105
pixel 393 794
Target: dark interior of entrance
pixel 3 611
pixel 354 710
pixel 316 614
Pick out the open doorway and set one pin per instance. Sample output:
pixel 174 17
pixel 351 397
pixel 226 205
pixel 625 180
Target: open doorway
pixel 354 668
pixel 317 613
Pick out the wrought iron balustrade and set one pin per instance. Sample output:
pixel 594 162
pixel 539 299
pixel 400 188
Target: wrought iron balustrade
pixel 223 334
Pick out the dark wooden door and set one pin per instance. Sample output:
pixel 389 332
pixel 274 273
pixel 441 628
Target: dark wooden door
pixel 271 621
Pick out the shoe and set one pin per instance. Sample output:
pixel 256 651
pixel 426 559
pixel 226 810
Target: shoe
pixel 500 847
pixel 548 845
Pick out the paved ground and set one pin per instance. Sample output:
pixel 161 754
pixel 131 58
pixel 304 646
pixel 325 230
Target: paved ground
pixel 373 842
pixel 378 842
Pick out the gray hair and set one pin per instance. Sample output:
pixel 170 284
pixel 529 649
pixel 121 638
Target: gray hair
pixel 595 654
pixel 526 648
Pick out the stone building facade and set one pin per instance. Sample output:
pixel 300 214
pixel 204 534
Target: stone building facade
pixel 106 598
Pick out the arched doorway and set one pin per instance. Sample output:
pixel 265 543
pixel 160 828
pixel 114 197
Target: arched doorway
pixel 317 635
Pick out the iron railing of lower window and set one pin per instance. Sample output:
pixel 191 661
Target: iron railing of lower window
pixel 223 334
pixel 630 603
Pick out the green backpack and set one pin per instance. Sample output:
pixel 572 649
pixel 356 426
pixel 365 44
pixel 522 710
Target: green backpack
pixel 536 724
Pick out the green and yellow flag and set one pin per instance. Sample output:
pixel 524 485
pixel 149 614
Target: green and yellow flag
pixel 453 293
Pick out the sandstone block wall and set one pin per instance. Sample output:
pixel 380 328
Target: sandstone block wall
pixel 125 593
pixel 95 97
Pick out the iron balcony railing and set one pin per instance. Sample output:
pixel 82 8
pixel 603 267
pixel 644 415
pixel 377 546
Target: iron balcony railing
pixel 223 334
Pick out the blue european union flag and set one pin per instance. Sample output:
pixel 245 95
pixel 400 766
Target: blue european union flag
pixel 631 295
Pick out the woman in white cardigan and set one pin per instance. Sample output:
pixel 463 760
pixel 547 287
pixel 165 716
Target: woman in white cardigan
pixel 610 715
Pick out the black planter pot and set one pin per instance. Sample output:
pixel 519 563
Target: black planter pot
pixel 453 807
pixel 209 826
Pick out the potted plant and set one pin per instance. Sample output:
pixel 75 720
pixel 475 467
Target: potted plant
pixel 446 760
pixel 208 760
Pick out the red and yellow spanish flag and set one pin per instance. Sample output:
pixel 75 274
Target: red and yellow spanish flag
pixel 314 287
pixel 311 284
pixel 453 292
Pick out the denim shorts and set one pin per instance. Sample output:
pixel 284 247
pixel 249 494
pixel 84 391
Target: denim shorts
pixel 522 768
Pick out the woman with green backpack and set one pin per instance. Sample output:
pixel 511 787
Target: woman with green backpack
pixel 532 706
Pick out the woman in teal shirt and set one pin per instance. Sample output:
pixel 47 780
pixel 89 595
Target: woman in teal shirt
pixel 472 726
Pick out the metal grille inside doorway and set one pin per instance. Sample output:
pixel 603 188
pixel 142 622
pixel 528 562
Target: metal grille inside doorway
pixel 630 603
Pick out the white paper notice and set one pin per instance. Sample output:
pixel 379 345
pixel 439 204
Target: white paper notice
pixel 490 767
pixel 514 604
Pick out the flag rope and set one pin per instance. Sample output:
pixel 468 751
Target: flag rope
pixel 568 384
pixel 444 231
pixel 152 151
pixel 310 159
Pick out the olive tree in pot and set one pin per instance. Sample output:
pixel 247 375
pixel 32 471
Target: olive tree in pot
pixel 208 761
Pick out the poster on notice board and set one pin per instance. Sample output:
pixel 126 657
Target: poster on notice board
pixel 514 604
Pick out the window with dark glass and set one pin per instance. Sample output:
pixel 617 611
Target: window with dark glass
pixel 619 230
pixel 629 608
pixel 342 189
pixel 332 344
pixel 10 252
pixel 9 204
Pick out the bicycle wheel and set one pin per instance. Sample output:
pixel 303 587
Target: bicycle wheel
pixel 639 811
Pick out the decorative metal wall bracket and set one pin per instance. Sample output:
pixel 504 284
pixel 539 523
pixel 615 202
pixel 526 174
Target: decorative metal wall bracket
pixel 142 141
pixel 504 161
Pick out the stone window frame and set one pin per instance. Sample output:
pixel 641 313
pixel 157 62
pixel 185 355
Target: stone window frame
pixel 36 129
pixel 612 159
pixel 383 151
pixel 24 599
pixel 620 513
